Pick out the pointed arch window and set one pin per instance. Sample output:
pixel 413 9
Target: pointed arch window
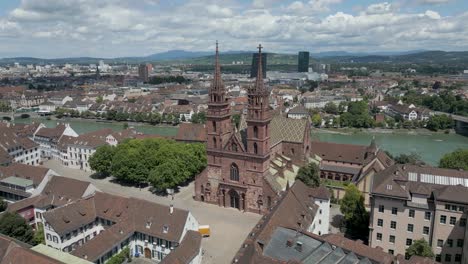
pixel 255 131
pixel 214 126
pixel 214 143
pixel 255 148
pixel 234 172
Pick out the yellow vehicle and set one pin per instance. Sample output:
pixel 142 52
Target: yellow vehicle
pixel 204 230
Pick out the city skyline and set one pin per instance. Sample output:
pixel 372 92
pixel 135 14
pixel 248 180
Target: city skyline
pixel 119 28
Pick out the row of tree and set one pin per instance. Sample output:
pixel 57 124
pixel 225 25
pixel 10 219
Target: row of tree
pixel 444 102
pixel 153 118
pixel 161 163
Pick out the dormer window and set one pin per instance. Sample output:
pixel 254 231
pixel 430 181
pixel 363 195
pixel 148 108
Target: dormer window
pixel 165 229
pixel 148 224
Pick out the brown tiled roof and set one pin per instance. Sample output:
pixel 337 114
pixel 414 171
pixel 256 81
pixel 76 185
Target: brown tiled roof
pixel 52 133
pixel 71 216
pixel 187 250
pixel 129 214
pixel 58 191
pixel 300 109
pixel 191 132
pixel 339 152
pixel 33 173
pixel 320 192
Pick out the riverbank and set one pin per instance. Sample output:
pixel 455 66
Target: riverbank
pixel 400 131
pixel 429 145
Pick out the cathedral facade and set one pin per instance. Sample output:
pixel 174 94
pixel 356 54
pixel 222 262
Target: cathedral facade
pixel 249 166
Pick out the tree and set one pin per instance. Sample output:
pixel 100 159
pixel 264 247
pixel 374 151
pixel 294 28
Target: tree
pixel 355 215
pixel 331 108
pixel 457 160
pixel 99 99
pixel 439 122
pixel 316 120
pixel 3 205
pixel 412 158
pixel 101 160
pixel 309 175
pixel 39 237
pixel 421 248
pixel 13 225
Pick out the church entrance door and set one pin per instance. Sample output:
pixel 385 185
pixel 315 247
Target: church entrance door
pixel 235 199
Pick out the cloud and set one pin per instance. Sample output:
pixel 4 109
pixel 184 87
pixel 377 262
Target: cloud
pixel 433 2
pixel 112 28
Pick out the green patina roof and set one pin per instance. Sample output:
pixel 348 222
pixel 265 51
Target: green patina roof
pixel 17 181
pixel 59 255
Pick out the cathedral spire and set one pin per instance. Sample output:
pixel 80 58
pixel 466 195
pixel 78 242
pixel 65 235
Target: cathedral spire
pixel 259 82
pixel 217 84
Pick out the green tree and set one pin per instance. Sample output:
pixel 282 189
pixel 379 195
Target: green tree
pixel 120 257
pixel 355 215
pixel 99 99
pixel 412 158
pixel 331 108
pixel 101 160
pixel 316 120
pixel 309 174
pixel 421 248
pixel 13 225
pixel 457 160
pixel 3 205
pixel 39 237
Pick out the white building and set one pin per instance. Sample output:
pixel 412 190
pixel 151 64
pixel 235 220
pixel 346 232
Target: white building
pixel 48 139
pixel 99 226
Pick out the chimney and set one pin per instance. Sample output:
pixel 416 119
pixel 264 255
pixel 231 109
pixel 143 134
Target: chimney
pixel 289 243
pixel 299 246
pixel 171 209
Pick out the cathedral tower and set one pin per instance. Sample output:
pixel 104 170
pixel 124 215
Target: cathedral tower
pixel 258 115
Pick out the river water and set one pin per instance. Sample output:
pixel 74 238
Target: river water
pixel 429 146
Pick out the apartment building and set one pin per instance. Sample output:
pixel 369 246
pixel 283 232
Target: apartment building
pixel 100 225
pixel 48 140
pixel 56 192
pixel 283 236
pixel 410 202
pixel 14 148
pixel 76 151
pixel 20 181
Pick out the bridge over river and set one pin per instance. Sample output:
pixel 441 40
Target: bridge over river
pixel 461 123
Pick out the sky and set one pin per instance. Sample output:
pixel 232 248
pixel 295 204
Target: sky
pixel 119 28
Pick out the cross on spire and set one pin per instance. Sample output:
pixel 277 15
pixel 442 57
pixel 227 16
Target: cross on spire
pixel 259 48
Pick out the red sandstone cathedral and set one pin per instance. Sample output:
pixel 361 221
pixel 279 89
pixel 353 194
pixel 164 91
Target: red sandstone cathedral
pixel 248 167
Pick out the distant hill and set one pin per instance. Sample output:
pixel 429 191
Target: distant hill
pixel 245 57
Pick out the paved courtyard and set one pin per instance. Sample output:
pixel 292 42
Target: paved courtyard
pixel 229 227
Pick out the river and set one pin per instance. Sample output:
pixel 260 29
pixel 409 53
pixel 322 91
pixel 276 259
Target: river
pixel 429 146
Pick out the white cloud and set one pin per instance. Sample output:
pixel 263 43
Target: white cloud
pixel 112 28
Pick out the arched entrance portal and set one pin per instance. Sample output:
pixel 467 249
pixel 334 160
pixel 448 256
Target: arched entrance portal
pixel 234 199
pixel 147 253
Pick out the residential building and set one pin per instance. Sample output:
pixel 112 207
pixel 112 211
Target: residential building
pixel 282 236
pixel 76 151
pixel 17 252
pixel 20 181
pixel 410 202
pixel 48 140
pixel 312 102
pixel 248 166
pixel 298 112
pixel 57 192
pixel 303 61
pixel 14 148
pixel 100 225
pixel 60 100
pixel 408 112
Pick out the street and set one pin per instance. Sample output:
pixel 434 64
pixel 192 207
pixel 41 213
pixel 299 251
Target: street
pixel 229 227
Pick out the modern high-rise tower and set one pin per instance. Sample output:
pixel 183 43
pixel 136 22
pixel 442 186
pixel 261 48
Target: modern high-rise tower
pixel 254 68
pixel 303 61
